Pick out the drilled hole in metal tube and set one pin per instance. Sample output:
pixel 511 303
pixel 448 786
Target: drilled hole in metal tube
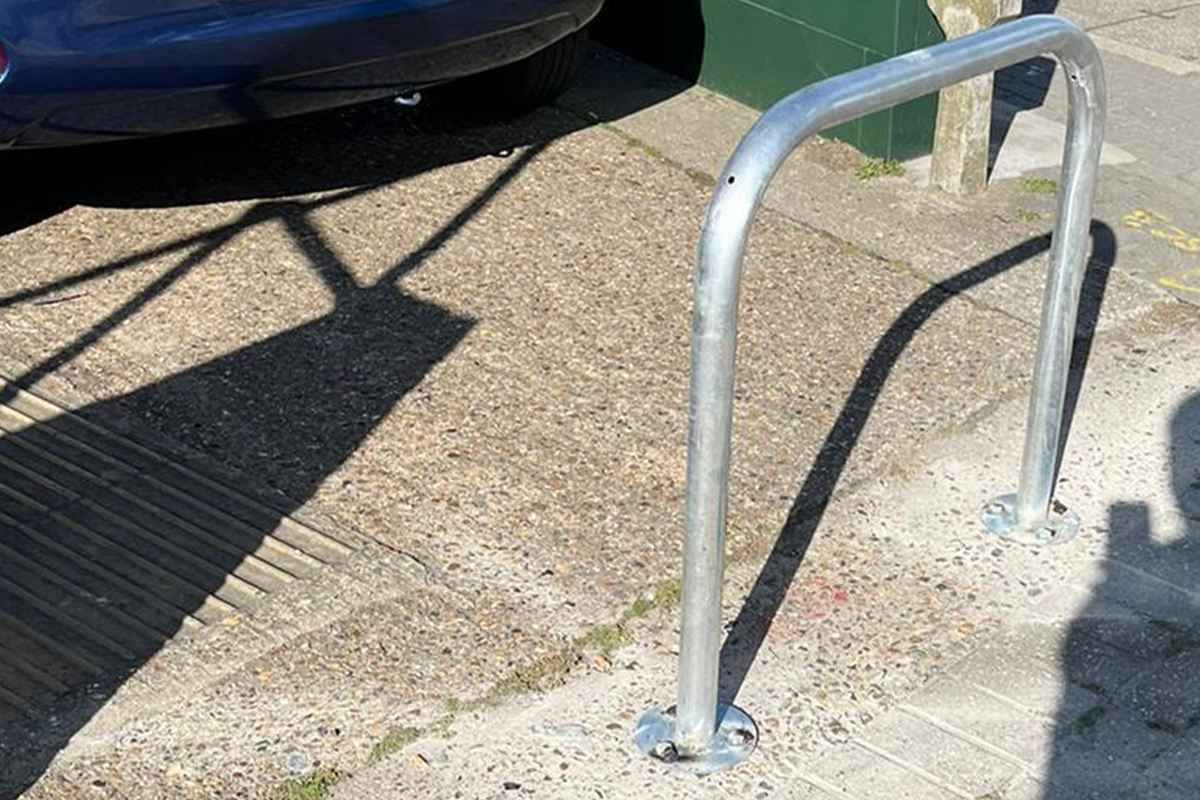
pixel 730 179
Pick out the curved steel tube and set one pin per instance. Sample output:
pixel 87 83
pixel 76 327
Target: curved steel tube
pixel 736 199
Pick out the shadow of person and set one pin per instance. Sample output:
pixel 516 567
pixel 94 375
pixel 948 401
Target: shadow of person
pixel 108 549
pixel 1129 717
pixel 1021 87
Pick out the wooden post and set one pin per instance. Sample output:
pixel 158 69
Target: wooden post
pixel 964 118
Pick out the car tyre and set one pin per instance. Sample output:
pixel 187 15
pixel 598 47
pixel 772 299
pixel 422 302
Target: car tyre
pixel 519 88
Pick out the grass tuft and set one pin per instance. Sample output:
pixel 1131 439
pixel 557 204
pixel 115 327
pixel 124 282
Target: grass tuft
pixel 313 787
pixel 603 639
pixel 1041 185
pixel 393 741
pixel 548 672
pixel 1166 626
pixel 1088 719
pixel 1162 726
pixel 873 168
pixel 1182 643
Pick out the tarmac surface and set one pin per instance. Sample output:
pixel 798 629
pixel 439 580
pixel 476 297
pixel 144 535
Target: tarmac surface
pixel 343 456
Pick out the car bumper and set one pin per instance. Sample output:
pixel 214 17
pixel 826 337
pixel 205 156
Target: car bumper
pixel 198 63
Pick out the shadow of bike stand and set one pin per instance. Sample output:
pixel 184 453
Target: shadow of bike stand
pixel 699 734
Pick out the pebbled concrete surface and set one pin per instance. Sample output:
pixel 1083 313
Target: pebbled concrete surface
pixel 424 379
pixel 466 345
pixel 914 657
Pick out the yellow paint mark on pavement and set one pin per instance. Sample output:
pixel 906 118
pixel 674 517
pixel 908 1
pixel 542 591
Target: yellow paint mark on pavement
pixel 1187 282
pixel 1161 227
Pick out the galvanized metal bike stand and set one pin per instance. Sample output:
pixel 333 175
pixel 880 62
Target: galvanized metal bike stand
pixel 697 734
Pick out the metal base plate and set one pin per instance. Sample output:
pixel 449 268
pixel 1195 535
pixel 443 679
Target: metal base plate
pixel 734 741
pixel 999 517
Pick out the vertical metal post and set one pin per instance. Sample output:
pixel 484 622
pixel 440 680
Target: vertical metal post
pixel 1028 516
pixel 698 733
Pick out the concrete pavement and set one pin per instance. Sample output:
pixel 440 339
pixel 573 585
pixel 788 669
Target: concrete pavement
pixel 463 348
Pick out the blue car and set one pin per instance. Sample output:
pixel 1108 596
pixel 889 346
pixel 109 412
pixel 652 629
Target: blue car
pixel 78 71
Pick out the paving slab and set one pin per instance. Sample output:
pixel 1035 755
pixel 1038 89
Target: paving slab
pixel 1100 12
pixel 934 751
pixel 1180 766
pixel 1162 33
